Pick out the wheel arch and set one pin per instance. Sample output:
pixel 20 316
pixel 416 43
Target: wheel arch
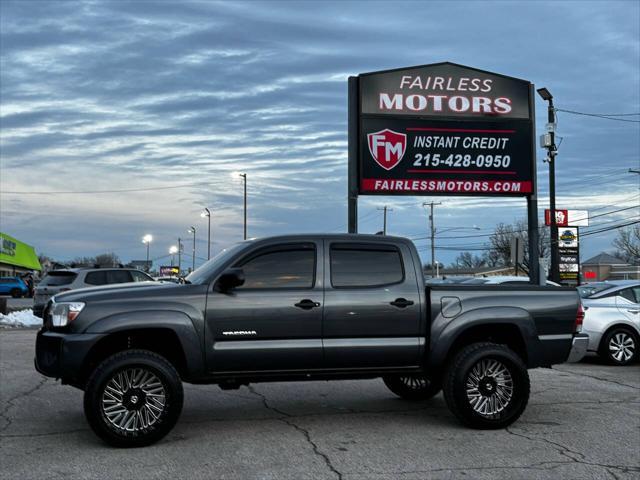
pixel 622 325
pixel 513 327
pixel 167 333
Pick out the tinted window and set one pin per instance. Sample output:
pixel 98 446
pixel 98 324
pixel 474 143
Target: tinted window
pixel 8 280
pixel 118 276
pixel 628 294
pixel 365 266
pixel 283 268
pixel 58 278
pixel 140 276
pixel 636 292
pixel 96 278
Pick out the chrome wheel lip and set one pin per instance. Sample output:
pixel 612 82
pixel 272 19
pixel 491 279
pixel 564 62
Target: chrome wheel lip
pixel 133 400
pixel 622 347
pixel 489 387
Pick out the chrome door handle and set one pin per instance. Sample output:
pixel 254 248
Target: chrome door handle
pixel 633 310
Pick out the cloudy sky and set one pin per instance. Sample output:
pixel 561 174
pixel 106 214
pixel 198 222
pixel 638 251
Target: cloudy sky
pixel 156 106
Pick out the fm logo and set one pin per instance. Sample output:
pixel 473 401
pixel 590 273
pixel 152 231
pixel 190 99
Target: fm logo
pixel 387 147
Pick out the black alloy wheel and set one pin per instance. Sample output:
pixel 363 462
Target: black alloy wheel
pixel 133 398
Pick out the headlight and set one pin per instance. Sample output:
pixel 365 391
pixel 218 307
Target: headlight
pixel 65 312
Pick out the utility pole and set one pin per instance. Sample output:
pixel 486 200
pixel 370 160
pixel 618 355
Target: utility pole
pixel 433 236
pixel 552 150
pixel 192 229
pixel 179 257
pixel 385 209
pixel 244 176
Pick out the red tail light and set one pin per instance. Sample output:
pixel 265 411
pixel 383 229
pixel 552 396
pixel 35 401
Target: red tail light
pixel 65 289
pixel 579 318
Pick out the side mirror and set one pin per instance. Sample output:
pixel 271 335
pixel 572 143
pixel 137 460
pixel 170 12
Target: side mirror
pixel 229 279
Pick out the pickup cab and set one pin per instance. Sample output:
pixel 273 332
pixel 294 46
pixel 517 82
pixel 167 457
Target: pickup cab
pixel 304 307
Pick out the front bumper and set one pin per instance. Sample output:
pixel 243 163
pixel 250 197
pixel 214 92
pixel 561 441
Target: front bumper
pixel 578 347
pixel 63 355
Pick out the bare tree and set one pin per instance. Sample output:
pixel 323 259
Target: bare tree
pixel 468 260
pixel 499 252
pixel 627 244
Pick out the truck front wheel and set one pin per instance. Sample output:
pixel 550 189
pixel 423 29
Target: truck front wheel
pixel 412 387
pixel 133 398
pixel 486 386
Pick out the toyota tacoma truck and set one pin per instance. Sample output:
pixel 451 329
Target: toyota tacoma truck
pixel 304 307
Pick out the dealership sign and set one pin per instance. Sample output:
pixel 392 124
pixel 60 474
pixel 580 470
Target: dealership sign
pixel 568 218
pixel 569 254
pixel 444 129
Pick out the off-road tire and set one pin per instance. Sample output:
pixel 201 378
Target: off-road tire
pixel 145 398
pixel 460 390
pixel 619 336
pixel 412 387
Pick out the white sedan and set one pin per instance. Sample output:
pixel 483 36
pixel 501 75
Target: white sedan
pixel 612 319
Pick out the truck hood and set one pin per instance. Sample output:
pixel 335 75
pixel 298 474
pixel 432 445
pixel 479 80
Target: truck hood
pixel 121 290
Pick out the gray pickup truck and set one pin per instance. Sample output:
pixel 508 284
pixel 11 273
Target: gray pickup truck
pixel 304 307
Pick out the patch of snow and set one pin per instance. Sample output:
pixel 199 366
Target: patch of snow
pixel 21 318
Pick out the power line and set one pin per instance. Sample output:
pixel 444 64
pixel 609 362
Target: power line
pixel 124 190
pixel 598 115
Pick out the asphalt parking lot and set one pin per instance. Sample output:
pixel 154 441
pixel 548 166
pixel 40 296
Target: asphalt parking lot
pixel 582 422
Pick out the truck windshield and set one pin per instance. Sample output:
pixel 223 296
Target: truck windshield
pixel 203 274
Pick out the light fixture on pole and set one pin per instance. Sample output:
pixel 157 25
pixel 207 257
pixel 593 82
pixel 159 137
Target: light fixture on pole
pixel 207 213
pixel 192 229
pixel 549 142
pixel 147 239
pixel 172 251
pixel 244 176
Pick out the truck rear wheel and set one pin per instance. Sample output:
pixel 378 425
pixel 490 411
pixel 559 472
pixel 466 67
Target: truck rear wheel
pixel 486 386
pixel 133 398
pixel 412 387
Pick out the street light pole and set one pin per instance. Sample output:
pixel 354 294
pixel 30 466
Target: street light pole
pixel 207 213
pixel 551 158
pixel 147 241
pixel 192 229
pixel 244 176
pixel 172 251
pixel 179 256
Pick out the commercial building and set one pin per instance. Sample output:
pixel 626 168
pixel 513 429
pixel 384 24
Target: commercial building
pixel 607 267
pixel 16 257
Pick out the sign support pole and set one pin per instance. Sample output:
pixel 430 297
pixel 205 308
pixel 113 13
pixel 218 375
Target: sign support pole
pixel 353 132
pixel 532 203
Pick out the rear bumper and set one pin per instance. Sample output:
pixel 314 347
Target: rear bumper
pixel 578 347
pixel 62 355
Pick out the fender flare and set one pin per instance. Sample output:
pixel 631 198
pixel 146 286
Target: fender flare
pixel 445 331
pixel 178 322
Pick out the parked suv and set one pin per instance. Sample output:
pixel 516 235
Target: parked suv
pixel 57 281
pixel 13 286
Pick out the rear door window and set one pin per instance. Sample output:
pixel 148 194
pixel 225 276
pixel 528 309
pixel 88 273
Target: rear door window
pixel 355 265
pixel 96 278
pixel 118 276
pixel 628 294
pixel 54 279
